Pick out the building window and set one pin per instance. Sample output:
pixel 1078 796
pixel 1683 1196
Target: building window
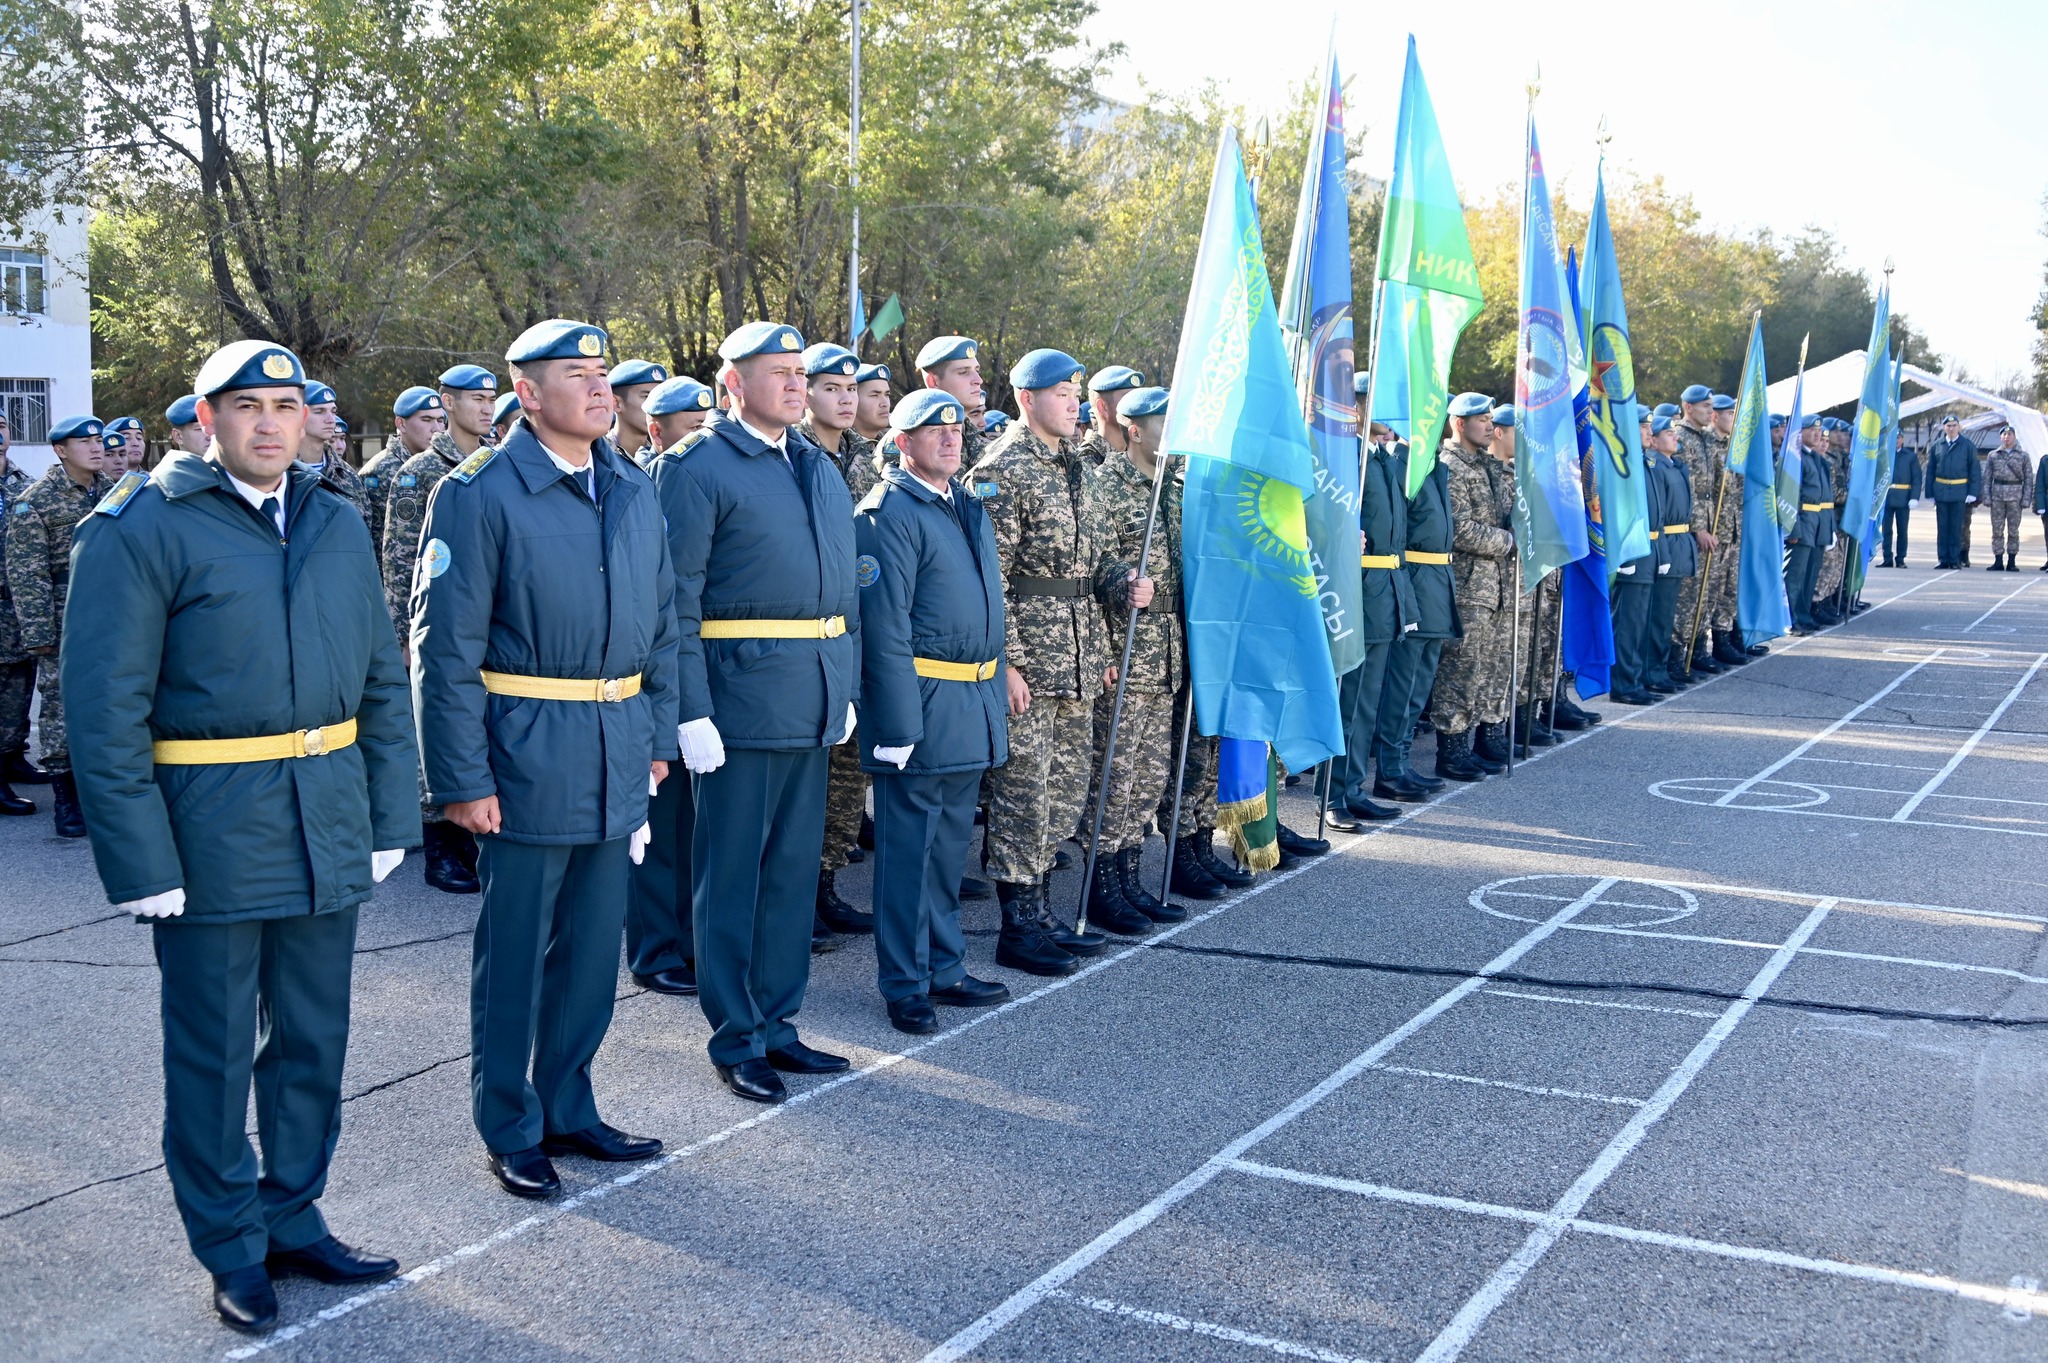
pixel 27 404
pixel 22 281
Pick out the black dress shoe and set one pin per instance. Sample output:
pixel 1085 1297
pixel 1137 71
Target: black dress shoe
pixel 1658 687
pixel 797 1058
pixel 677 980
pixel 914 1015
pixel 1429 785
pixel 526 1173
pixel 245 1299
pixel 445 871
pixel 17 770
pixel 823 939
pixel 328 1260
pixel 1340 819
pixel 601 1142
pixel 1294 844
pixel 1370 810
pixel 1395 788
pixel 1632 698
pixel 753 1079
pixel 866 837
pixel 13 804
pixel 971 993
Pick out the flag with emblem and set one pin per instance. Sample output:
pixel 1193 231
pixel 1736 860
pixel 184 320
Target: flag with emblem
pixel 1868 465
pixel 1587 625
pixel 1315 321
pixel 1613 417
pixel 1760 608
pixel 1428 281
pixel 1257 657
pixel 1550 365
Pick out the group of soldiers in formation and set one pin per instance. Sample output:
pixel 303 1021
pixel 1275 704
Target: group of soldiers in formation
pixel 500 636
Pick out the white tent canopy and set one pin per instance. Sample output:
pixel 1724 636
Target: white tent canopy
pixel 1840 381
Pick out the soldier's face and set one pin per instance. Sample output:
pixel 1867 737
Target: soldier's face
pixel 114 462
pixel 419 429
pixel 4 439
pixel 961 378
pixel 675 425
pixel 872 410
pixel 82 456
pixel 834 400
pixel 191 439
pixel 1724 421
pixel 469 409
pixel 931 452
pixel 770 390
pixel 570 400
pixel 633 405
pixel 1056 409
pixel 1501 443
pixel 320 419
pixel 1698 413
pixel 256 431
pixel 2008 441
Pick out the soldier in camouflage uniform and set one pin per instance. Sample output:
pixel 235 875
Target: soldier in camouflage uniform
pixel 17 668
pixel 1701 457
pixel 1535 651
pixel 418 415
pixel 334 473
pixel 1471 679
pixel 1105 391
pixel 872 385
pixel 1145 734
pixel 39 526
pixel 1059 568
pixel 1834 563
pixel 2007 483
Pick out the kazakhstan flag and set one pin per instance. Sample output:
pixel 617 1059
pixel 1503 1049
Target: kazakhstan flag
pixel 1256 643
pixel 1760 606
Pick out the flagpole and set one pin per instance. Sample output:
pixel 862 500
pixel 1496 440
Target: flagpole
pixel 1515 640
pixel 853 308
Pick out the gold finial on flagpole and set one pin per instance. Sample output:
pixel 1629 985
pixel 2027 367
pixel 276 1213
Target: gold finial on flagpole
pixel 1803 340
pixel 1535 83
pixel 1603 137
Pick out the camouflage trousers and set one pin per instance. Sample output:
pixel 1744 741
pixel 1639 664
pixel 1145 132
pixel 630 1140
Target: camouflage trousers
pixel 53 747
pixel 846 799
pixel 17 685
pixel 1198 783
pixel 1144 760
pixel 1540 637
pixel 2005 529
pixel 1472 677
pixel 1832 565
pixel 1035 798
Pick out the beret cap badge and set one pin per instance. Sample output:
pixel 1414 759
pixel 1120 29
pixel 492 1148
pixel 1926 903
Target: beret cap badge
pixel 589 343
pixel 277 366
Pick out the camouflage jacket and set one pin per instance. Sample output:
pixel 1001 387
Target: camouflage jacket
pixel 336 476
pixel 1051 535
pixel 12 484
pixel 1696 457
pixel 1482 545
pixel 377 475
pixel 1159 648
pixel 39 526
pixel 405 511
pixel 2006 476
pixel 1094 448
pixel 855 461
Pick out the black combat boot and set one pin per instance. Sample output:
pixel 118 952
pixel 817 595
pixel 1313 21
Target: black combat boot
pixel 1727 653
pixel 1454 758
pixel 17 770
pixel 1704 661
pixel 1064 937
pixel 1531 731
pixel 1023 944
pixel 835 913
pixel 462 843
pixel 445 871
pixel 1490 743
pixel 1188 876
pixel 1130 874
pixel 70 819
pixel 1107 907
pixel 1235 877
pixel 1559 719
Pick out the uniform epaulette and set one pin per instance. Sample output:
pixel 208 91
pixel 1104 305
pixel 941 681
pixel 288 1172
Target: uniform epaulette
pixel 472 466
pixel 115 502
pixel 874 497
pixel 689 442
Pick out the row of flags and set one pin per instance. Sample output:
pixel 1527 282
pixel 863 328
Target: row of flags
pixel 1265 415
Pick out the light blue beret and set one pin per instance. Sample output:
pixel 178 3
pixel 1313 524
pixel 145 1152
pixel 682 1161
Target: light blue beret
pixel 110 440
pixel 340 426
pixel 638 371
pixel 249 364
pixel 826 358
pixel 1723 403
pixel 1115 378
pixel 183 412
pixel 558 338
pixel 464 378
pixel 1042 369
pixel 1087 417
pixel 76 428
pixel 507 407
pixel 415 400
pixel 125 423
pixel 1665 409
pixel 761 338
pixel 940 349
pixel 1777 418
pixel 1471 404
pixel 1143 402
pixel 1807 423
pixel 994 421
pixel 926 407
pixel 318 394
pixel 868 373
pixel 1659 425
pixel 679 394
pixel 1504 415
pixel 1696 392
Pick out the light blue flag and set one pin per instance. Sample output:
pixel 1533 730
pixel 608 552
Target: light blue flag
pixel 1550 366
pixel 1587 629
pixel 1785 502
pixel 1866 446
pixel 1761 611
pixel 1616 431
pixel 1256 650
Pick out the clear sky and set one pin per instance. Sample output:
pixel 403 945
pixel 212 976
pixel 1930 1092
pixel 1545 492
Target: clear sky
pixel 1915 131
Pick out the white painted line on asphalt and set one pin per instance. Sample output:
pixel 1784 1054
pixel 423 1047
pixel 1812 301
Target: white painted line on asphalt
pixel 1888 766
pixel 1454 1337
pixel 1803 898
pixel 1969 744
pixel 1871 956
pixel 1604 1003
pixel 1744 787
pixel 2000 602
pixel 1187 1325
pixel 2023 1295
pixel 1035 1291
pixel 1534 1089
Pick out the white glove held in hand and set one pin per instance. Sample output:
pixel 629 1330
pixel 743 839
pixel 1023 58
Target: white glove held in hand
pixel 637 848
pixel 1663 568
pixel 899 756
pixel 703 750
pixel 383 864
pixel 169 904
pixel 851 718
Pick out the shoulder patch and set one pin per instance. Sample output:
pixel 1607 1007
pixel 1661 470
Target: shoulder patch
pixel 985 488
pixel 472 466
pixel 22 508
pixel 372 480
pixel 434 558
pixel 407 480
pixel 866 571
pixel 115 502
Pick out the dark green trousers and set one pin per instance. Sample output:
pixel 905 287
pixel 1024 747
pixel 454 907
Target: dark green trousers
pixel 284 983
pixel 1411 671
pixel 1802 575
pixel 1630 602
pixel 1663 622
pixel 754 864
pixel 544 971
pixel 923 824
pixel 1359 692
pixel 660 932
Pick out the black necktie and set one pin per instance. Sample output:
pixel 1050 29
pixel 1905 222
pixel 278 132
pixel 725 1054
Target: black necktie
pixel 274 513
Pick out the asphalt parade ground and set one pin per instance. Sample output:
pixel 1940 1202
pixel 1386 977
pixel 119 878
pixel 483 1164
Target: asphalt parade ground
pixel 1720 1031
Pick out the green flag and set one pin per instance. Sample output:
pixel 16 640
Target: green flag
pixel 887 319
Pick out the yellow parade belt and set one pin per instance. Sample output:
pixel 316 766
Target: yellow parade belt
pixel 1681 528
pixel 1901 487
pixel 1418 556
pixel 1816 506
pixel 1655 534
pixel 944 671
pixel 611 689
pixel 1379 560
pixel 207 752
pixel 1952 482
pixel 830 628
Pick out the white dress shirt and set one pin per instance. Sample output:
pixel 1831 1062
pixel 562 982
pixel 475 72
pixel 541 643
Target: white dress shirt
pixel 256 497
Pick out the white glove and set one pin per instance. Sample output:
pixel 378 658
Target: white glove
pixel 1627 569
pixel 169 904
pixel 637 848
pixel 1912 501
pixel 703 749
pixel 899 756
pixel 1663 568
pixel 850 720
pixel 1971 501
pixel 383 864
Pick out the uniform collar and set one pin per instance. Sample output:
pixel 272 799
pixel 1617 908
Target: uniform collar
pixel 898 476
pixel 537 464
